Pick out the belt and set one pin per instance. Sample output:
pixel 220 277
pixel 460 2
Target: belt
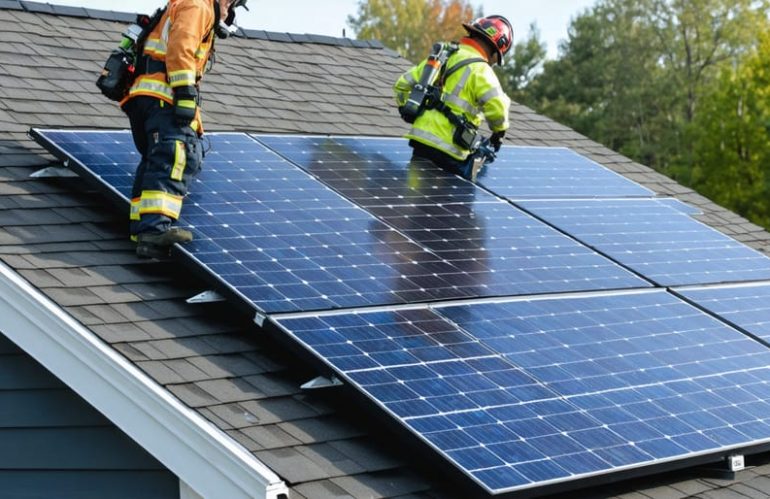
pixel 148 65
pixel 437 157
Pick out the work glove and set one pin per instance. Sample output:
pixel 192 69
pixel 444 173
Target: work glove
pixel 185 104
pixel 496 140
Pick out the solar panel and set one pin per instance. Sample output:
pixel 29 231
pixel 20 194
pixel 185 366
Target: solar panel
pixel 554 172
pixel 531 393
pixel 283 241
pixel 374 172
pixel 746 306
pixel 659 241
pixel 518 172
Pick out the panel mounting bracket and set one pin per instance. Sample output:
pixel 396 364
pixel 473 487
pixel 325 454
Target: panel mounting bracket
pixel 208 296
pixel 727 469
pixel 54 172
pixel 736 463
pixel 322 382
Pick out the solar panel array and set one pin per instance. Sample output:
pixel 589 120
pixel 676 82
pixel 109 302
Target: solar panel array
pixel 287 242
pixel 512 326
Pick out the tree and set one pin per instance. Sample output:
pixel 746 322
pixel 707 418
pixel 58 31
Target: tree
pixel 730 140
pixel 633 72
pixel 606 83
pixel 522 64
pixel 411 27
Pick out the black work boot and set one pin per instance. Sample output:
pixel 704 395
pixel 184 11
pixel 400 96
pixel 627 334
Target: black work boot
pixel 158 245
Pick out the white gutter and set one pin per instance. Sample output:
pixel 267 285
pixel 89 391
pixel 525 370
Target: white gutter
pixel 200 454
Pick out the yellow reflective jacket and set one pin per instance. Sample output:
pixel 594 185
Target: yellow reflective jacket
pixel 473 91
pixel 182 39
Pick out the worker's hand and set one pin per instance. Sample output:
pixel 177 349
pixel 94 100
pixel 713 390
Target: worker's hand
pixel 185 104
pixel 496 140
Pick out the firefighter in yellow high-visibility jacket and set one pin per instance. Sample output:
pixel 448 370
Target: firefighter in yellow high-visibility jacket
pixel 162 107
pixel 468 93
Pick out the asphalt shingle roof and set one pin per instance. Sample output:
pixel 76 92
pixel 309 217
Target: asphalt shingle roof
pixel 61 239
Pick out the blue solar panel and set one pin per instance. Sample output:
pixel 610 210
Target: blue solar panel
pixel 110 155
pixel 748 306
pixel 283 241
pixel 659 241
pixel 523 394
pixel 553 172
pixel 372 171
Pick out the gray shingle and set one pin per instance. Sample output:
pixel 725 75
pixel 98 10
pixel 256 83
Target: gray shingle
pixel 292 466
pixel 268 437
pixel 11 5
pixel 385 484
pixel 314 430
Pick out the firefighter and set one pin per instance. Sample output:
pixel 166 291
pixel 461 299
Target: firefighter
pixel 162 107
pixel 444 130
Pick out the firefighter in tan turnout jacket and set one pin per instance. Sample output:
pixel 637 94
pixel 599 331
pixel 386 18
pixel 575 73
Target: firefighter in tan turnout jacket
pixel 162 107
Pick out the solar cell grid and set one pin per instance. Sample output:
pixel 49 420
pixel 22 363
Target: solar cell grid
pixel 553 172
pixel 745 306
pixel 375 172
pixel 523 393
pixel 657 240
pixel 283 241
pixel 110 155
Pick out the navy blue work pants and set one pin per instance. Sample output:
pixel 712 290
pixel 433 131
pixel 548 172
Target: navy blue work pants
pixel 171 158
pixel 441 159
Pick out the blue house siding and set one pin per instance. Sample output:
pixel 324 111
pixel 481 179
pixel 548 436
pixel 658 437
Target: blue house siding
pixel 53 444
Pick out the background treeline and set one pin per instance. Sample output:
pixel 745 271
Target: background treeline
pixel 680 85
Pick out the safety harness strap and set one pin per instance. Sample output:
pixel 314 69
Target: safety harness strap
pixel 439 104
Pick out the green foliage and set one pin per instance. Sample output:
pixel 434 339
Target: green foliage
pixel 730 138
pixel 674 84
pixel 522 64
pixel 411 27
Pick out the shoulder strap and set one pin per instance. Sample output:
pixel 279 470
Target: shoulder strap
pixel 147 29
pixel 458 66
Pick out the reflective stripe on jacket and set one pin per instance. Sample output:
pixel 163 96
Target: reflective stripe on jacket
pixel 473 91
pixel 182 39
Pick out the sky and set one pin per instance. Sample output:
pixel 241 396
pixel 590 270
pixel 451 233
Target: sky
pixel 329 17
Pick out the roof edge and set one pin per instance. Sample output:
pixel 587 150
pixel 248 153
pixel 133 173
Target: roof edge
pixel 127 17
pixel 196 451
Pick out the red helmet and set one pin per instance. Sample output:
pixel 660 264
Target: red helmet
pixel 495 29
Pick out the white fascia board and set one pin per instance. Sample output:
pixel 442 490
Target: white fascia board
pixel 200 454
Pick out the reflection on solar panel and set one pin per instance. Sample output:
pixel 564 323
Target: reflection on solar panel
pixel 552 172
pixel 372 171
pixel 527 393
pixel 660 242
pixel 748 306
pixel 285 242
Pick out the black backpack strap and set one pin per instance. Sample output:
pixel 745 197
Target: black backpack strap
pixel 465 62
pixel 151 24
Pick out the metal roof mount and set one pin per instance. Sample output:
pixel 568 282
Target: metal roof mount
pixel 208 296
pixel 322 382
pixel 201 455
pixel 53 172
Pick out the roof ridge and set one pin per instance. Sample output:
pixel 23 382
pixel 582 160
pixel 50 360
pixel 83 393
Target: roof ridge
pixel 111 15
